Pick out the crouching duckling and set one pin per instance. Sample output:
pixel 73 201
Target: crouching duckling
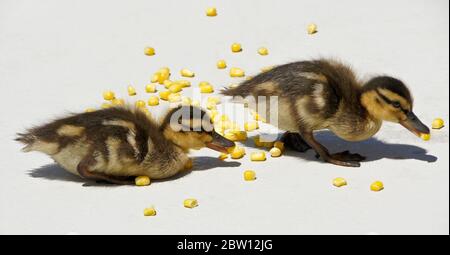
pixel 117 144
pixel 325 94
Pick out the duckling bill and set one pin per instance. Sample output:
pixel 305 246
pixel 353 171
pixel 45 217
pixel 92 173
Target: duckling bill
pixel 117 144
pixel 325 94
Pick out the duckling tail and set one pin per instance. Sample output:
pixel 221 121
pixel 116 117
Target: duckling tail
pixel 240 90
pixel 26 138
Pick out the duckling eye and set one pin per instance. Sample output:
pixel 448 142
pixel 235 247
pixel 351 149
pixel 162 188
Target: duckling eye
pixel 396 104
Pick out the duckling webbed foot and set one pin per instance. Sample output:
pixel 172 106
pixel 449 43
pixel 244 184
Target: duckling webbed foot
pixel 347 156
pixel 83 169
pixel 295 142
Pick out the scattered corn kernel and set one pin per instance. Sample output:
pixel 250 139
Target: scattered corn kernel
pixel 249 175
pixel 187 73
pixel 149 211
pixel 250 126
pixel 118 101
pixel 223 156
pixel 190 203
pixel 257 116
pixel 266 68
pixel 263 51
pixel 174 88
pixel 186 101
pixel 149 51
pixel 213 99
pixel 207 89
pixel 184 83
pixel 437 123
pixel 236 72
pixel 275 152
pixel 279 145
pixel 90 110
pixel 237 152
pixel 236 47
pixel 312 28
pixel 168 83
pixel 106 105
pixel 425 137
pixel 258 156
pixel 153 100
pixel 189 164
pixel 211 12
pixel 164 95
pixel 339 182
pixel 174 98
pixel 150 88
pixel 195 103
pixel 131 91
pixel 232 86
pixel 155 77
pixel 140 104
pixel 257 141
pixel 211 106
pixel 236 135
pixel 221 64
pixel 142 181
pixel 377 186
pixel 108 95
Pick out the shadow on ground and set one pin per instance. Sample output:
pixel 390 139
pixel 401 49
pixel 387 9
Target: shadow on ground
pixel 56 173
pixel 372 148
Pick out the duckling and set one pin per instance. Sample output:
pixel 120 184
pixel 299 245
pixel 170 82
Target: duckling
pixel 117 144
pixel 325 94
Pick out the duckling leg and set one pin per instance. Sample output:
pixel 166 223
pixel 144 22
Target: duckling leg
pixel 340 159
pixel 295 141
pixel 83 169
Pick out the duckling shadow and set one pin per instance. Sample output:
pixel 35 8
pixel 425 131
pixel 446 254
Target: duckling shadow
pixel 373 149
pixel 54 172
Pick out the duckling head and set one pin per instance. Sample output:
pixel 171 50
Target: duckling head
pixel 190 127
pixel 386 98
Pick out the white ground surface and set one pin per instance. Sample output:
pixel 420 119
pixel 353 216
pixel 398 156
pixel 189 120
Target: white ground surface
pixel 58 56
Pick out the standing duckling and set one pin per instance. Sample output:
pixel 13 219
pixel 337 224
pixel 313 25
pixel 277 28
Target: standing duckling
pixel 325 94
pixel 117 144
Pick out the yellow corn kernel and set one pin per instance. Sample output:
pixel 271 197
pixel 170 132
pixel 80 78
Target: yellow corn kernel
pixel 206 89
pixel 240 135
pixel 187 73
pixel 108 95
pixel 164 70
pixel 275 152
pixel 153 100
pixel 237 152
pixel 211 12
pixel 258 156
pixel 266 68
pixel 174 98
pixel 189 164
pixel 263 51
pixel 149 211
pixel 118 101
pixel 437 123
pixel 339 182
pixel 312 28
pixel 211 106
pixel 236 72
pixel 257 141
pixel 195 103
pixel 155 77
pixel 221 64
pixel 377 186
pixel 234 85
pixel 257 116
pixel 190 203
pixel 131 91
pixel 186 101
pixel 223 156
pixel 236 47
pixel 174 88
pixel 106 105
pixel 140 104
pixel 163 77
pixel 213 99
pixel 150 88
pixel 90 110
pixel 184 83
pixel 425 137
pixel 222 125
pixel 168 83
pixel 164 95
pixel 250 126
pixel 249 175
pixel 149 51
pixel 142 181
pixel 279 145
pixel 233 136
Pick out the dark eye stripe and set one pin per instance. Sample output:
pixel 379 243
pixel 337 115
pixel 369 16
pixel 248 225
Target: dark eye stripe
pixel 388 101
